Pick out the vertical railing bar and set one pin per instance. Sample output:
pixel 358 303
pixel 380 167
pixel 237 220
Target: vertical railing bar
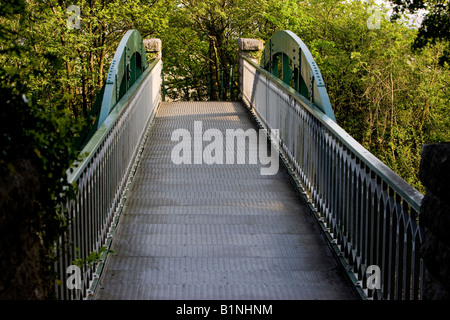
pixel 383 236
pixel 338 193
pixel 347 211
pixel 89 243
pixel 398 253
pixel 416 266
pixel 392 245
pixel 94 226
pixel 103 187
pixel 407 243
pixel 313 160
pixel 83 222
pixel 353 206
pixel 345 181
pixel 322 181
pixel 365 216
pixel 358 211
pixel 331 178
pixel 90 217
pixel 372 221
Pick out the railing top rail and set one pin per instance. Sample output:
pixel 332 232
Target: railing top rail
pixel 103 130
pixel 401 187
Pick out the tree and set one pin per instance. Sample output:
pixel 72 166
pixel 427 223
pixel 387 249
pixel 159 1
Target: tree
pixel 435 26
pixel 83 51
pixel 36 151
pixel 201 40
pixel 50 75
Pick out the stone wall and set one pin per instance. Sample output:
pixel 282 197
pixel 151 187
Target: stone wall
pixel 435 218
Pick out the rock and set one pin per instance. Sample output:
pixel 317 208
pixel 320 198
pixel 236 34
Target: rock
pixel 434 217
pixel 435 170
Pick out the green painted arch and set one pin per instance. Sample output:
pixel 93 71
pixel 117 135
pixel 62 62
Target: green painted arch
pixel 299 69
pixel 128 64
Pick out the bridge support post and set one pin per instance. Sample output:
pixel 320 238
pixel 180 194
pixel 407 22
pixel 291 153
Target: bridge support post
pixel 435 218
pixel 250 48
pixel 153 46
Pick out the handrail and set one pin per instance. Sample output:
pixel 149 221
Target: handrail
pixel 305 74
pixel 368 213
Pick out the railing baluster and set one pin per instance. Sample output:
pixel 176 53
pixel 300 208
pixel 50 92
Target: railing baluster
pixel 408 241
pixel 354 183
pixel 391 244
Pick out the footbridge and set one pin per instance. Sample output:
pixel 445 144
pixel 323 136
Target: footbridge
pixel 266 197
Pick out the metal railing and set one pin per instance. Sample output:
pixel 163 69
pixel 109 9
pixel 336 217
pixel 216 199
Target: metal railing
pixel 102 177
pixel 368 212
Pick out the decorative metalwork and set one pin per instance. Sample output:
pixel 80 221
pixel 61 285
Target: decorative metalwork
pixel 128 64
pixel 368 212
pixel 298 68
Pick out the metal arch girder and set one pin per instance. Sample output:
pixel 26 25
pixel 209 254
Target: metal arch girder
pixel 120 71
pixel 289 44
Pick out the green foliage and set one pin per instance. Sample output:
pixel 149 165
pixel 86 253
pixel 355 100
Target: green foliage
pixel 389 96
pixel 93 258
pixel 50 75
pixel 201 41
pixel 81 54
pixel 36 142
pixel 435 26
pixel 33 131
pixel 29 133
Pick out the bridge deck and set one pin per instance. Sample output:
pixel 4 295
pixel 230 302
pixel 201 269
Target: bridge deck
pixel 214 231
